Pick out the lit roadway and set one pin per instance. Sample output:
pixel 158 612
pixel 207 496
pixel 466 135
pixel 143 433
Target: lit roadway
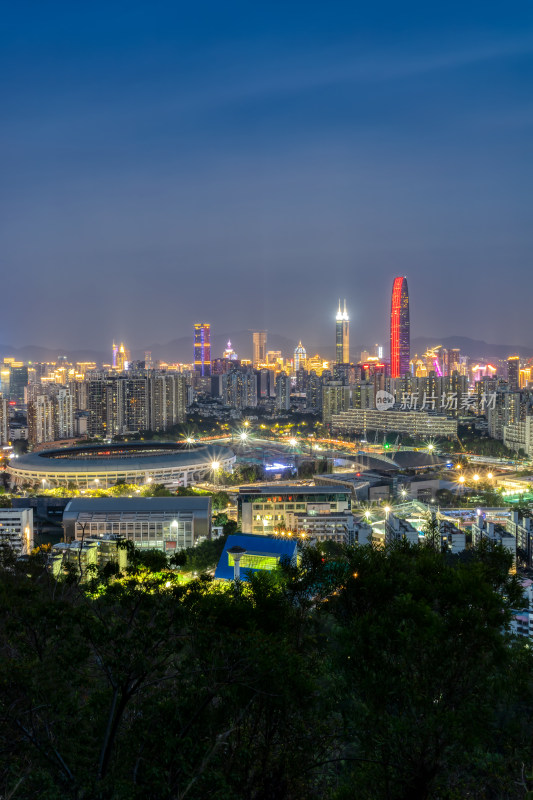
pixel 306 446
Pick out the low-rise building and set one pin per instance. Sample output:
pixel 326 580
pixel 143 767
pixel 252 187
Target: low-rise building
pixel 16 530
pixel 336 527
pixel 162 523
pixel 264 509
pixel 79 555
pixel 522 620
pixel 522 530
pixel 245 554
pixel 494 532
pixel 411 524
pixel 397 529
pixel 452 538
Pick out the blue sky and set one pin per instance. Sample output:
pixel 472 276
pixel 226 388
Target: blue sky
pixel 248 163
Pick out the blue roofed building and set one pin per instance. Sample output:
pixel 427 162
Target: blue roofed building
pixel 254 553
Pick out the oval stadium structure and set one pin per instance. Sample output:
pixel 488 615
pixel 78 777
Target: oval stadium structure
pixel 92 466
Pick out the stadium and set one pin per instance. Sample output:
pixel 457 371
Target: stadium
pixel 101 466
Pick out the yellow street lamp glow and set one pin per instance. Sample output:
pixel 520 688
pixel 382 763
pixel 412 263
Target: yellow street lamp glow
pixel 243 436
pixel 387 509
pixel 462 479
pixel 490 475
pixel 189 440
pixel 431 447
pixel 215 465
pixel 476 477
pixel 367 514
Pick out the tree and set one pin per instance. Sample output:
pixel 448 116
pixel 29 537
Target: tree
pixel 431 530
pixel 423 661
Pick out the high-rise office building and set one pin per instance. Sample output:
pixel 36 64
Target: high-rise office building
pixel 18 382
pixel 259 339
pixel 300 357
pixel 400 344
pixel 342 336
pixel 229 353
pixel 513 372
pixel 122 358
pixel 202 349
pixel 454 363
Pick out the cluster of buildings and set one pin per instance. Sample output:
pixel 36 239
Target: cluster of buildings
pixel 427 395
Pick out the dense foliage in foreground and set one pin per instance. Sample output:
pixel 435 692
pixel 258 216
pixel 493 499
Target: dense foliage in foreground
pixel 369 674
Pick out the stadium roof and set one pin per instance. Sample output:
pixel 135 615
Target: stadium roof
pixel 46 463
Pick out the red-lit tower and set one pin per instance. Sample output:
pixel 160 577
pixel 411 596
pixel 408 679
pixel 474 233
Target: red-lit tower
pixel 399 329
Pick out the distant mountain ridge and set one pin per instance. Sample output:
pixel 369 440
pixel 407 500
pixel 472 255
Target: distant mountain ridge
pixel 474 348
pixel 181 349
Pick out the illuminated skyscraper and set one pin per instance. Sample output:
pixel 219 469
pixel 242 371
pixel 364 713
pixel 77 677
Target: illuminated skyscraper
pixel 259 341
pixel 400 344
pixel 123 358
pixel 202 349
pixel 229 353
pixel 300 357
pixel 342 336
pixel 513 372
pixel 454 363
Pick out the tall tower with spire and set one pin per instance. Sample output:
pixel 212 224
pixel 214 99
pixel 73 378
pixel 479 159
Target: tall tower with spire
pixel 342 336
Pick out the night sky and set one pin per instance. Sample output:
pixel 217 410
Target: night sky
pixel 247 163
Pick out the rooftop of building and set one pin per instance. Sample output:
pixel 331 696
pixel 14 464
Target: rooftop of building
pixel 276 489
pixel 254 545
pixel 103 505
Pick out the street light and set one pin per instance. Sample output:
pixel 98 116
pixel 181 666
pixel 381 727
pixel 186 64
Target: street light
pixel 293 442
pixel 490 476
pixel 243 436
pixel 476 477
